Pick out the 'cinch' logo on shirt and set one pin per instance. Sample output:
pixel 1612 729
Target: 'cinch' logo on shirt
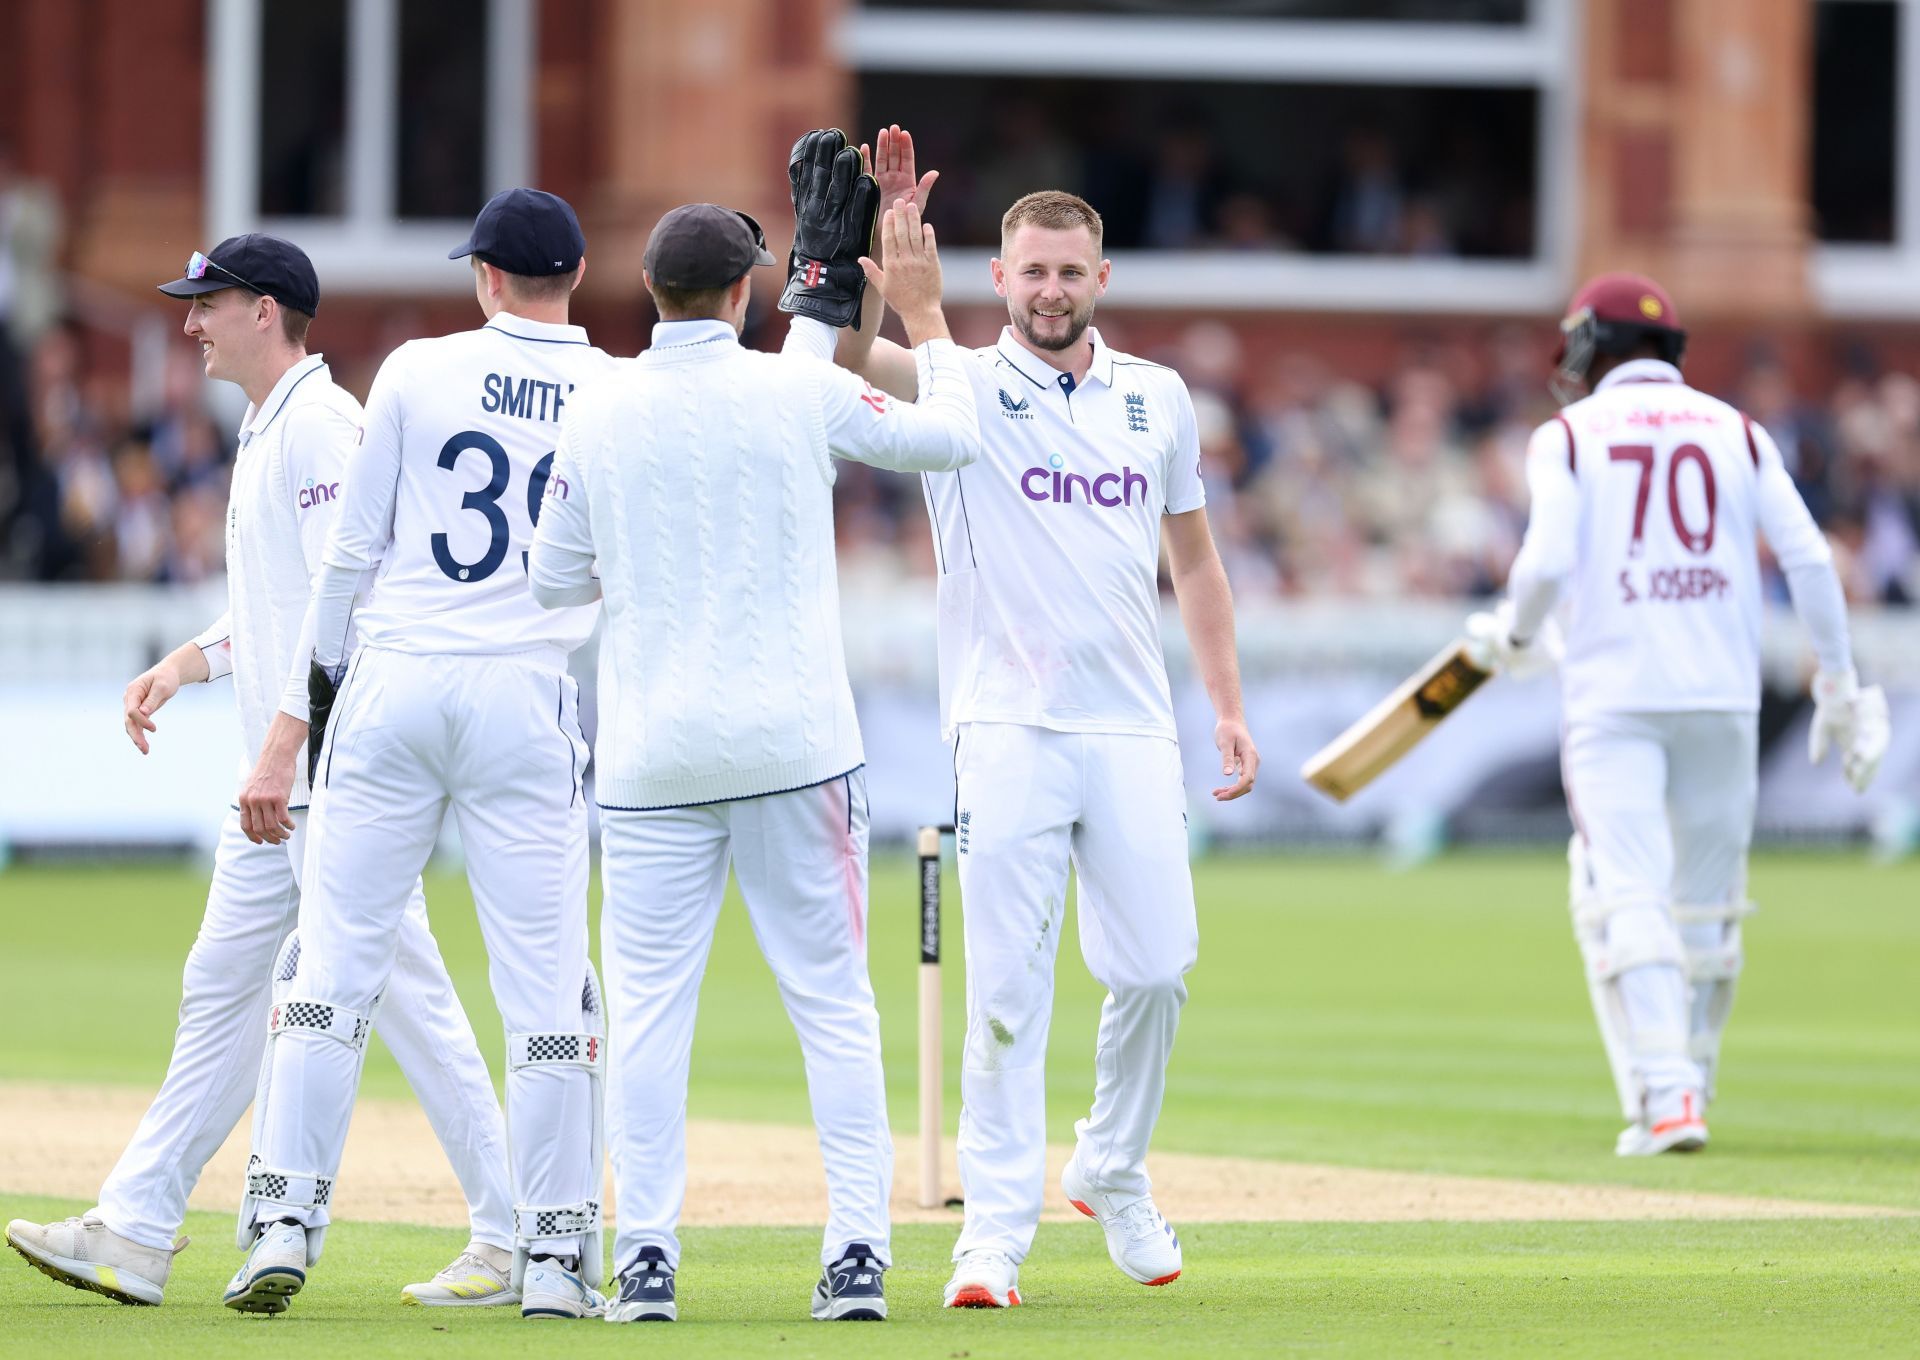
pixel 314 493
pixel 1053 483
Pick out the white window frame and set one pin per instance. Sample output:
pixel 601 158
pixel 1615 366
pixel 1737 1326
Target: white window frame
pixel 1877 281
pixel 1540 54
pixel 368 249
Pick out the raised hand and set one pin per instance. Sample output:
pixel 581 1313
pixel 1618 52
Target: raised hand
pixel 910 282
pixel 893 169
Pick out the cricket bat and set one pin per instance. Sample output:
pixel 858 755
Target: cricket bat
pixel 1395 725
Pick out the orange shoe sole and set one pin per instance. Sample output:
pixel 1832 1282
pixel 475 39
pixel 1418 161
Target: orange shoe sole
pixel 978 1296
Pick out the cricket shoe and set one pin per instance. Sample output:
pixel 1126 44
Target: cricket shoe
pixel 1675 1121
pixel 550 1290
pixel 852 1289
pixel 87 1254
pixel 984 1279
pixel 274 1271
pixel 646 1290
pixel 1139 1240
pixel 476 1278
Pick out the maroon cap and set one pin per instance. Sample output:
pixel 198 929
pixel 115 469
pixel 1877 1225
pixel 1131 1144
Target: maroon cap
pixel 1620 299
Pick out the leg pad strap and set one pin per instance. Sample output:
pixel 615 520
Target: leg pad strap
pixel 320 1017
pixel 300 1189
pixel 536 1223
pixel 586 1051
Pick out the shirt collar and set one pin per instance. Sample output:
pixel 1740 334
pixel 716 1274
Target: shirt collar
pixel 1640 371
pixel 261 416
pixel 674 334
pixel 552 332
pixel 1037 371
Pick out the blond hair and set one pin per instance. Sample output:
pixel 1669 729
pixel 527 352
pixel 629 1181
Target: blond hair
pixel 1053 210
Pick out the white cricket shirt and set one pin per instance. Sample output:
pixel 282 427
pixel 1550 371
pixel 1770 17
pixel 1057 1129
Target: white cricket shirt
pixel 445 490
pixel 294 450
pixel 1648 498
pixel 700 478
pixel 1049 546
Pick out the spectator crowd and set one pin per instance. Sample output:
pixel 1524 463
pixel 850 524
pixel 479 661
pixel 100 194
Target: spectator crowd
pixel 1318 485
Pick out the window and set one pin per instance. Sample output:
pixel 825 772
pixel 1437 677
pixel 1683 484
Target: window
pixel 368 131
pixel 1366 154
pixel 1866 156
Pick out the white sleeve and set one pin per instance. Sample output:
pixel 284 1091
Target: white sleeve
pixel 808 336
pixel 937 433
pixel 216 644
pixel 364 525
pixel 560 569
pixel 316 449
pixel 1803 553
pixel 1546 557
pixel 1185 490
pixel 1795 539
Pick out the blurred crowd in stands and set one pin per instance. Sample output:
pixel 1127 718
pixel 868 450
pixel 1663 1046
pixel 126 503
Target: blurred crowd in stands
pixel 1318 485
pixel 1322 487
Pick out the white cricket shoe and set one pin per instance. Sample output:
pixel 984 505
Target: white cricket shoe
pixel 550 1290
pixel 476 1278
pixel 984 1279
pixel 274 1271
pixel 85 1253
pixel 1140 1241
pixel 1675 1121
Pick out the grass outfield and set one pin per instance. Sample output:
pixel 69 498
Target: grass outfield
pixel 1810 1287
pixel 1434 1020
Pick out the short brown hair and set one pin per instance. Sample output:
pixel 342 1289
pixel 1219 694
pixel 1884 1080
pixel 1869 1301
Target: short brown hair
pixel 293 325
pixel 689 304
pixel 1055 211
pixel 535 287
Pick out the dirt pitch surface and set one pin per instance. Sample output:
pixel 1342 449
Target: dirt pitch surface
pixel 61 1140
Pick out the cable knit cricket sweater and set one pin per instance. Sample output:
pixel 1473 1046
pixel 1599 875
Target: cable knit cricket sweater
pixel 699 476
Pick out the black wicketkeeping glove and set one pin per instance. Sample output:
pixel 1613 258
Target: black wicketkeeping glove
pixel 320 692
pixel 835 204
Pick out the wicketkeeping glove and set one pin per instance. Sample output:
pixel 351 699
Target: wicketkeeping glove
pixel 835 204
pixel 320 692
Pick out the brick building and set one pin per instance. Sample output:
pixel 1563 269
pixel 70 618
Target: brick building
pixel 1761 156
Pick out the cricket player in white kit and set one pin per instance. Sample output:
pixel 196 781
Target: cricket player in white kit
pixel 457 697
pixel 702 481
pixel 1647 499
pixel 1054 691
pixel 251 302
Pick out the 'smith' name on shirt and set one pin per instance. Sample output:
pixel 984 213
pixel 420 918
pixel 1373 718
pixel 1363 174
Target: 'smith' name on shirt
pixel 525 398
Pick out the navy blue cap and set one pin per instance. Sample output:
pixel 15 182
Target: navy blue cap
pixel 703 245
pixel 265 264
pixel 526 231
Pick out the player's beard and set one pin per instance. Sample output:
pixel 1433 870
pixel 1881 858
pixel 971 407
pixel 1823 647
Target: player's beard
pixel 1077 321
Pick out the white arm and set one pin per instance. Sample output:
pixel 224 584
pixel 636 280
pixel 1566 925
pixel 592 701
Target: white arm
pixel 1546 557
pixel 938 433
pixel 216 644
pixel 1803 554
pixel 560 569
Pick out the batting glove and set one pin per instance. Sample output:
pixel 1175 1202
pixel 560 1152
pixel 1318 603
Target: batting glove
pixel 1852 720
pixel 1493 647
pixel 321 689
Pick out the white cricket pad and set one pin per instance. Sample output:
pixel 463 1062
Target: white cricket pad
pixel 585 1049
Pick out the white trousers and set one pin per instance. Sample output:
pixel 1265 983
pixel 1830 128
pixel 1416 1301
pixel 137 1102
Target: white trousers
pixel 1664 803
pixel 251 907
pixel 497 738
pixel 802 862
pixel 1030 800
